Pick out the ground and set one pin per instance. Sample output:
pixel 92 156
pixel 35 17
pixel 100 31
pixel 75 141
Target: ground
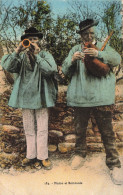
pixel 91 179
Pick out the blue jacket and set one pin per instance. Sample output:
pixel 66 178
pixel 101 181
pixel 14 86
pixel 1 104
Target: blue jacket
pixel 85 90
pixel 32 89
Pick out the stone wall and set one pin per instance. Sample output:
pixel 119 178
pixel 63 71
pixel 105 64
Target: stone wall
pixel 62 135
pixel 61 126
pixel 62 131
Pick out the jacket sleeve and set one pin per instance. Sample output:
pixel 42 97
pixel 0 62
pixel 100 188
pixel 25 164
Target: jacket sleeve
pixel 46 63
pixel 11 62
pixel 110 56
pixel 68 67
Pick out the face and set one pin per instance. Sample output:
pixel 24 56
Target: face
pixel 88 35
pixel 33 39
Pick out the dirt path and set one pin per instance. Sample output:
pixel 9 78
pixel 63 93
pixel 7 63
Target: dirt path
pixel 91 179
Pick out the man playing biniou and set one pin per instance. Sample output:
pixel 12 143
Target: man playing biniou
pixel 92 91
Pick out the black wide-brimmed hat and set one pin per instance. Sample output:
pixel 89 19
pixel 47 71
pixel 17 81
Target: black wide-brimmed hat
pixel 31 32
pixel 84 25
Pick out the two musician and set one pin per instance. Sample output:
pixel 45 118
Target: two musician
pixel 90 94
pixel 34 91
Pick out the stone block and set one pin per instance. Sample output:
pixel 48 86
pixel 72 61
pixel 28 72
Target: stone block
pixel 66 147
pixel 119 107
pixel 55 137
pixel 90 132
pixel 55 133
pixel 118 117
pixel 118 126
pixel 95 147
pixel 10 129
pixel 52 148
pixel 90 139
pixel 70 138
pixel 68 119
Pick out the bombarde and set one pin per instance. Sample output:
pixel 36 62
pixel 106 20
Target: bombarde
pixel 26 43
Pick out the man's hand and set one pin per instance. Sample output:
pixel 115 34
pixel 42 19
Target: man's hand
pixel 19 48
pixel 78 56
pixel 91 52
pixel 34 48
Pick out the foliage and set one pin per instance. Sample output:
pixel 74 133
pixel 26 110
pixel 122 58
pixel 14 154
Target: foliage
pixel 112 21
pixel 62 39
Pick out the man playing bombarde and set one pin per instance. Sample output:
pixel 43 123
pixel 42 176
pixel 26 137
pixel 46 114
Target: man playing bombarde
pixel 35 92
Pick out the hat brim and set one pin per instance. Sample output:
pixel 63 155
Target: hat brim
pixel 85 28
pixel 39 35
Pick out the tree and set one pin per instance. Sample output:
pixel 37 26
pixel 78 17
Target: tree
pixel 62 39
pixel 112 21
pixel 80 10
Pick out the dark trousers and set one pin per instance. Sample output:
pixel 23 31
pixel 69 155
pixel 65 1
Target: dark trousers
pixel 104 122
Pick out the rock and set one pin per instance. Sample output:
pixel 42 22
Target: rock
pixel 95 139
pixel 68 119
pixel 3 165
pixel 67 129
pixel 55 137
pixel 66 147
pixel 90 139
pixel 10 129
pixel 6 160
pixel 118 117
pixel 55 133
pixel 119 90
pixel 98 139
pixel 120 145
pixel 120 135
pixel 27 168
pixel 118 126
pixel 117 140
pixel 8 149
pixel 96 133
pixel 90 132
pixel 119 107
pixel 95 147
pixel 71 138
pixel 52 148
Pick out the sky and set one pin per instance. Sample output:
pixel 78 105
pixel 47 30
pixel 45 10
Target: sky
pixel 58 7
